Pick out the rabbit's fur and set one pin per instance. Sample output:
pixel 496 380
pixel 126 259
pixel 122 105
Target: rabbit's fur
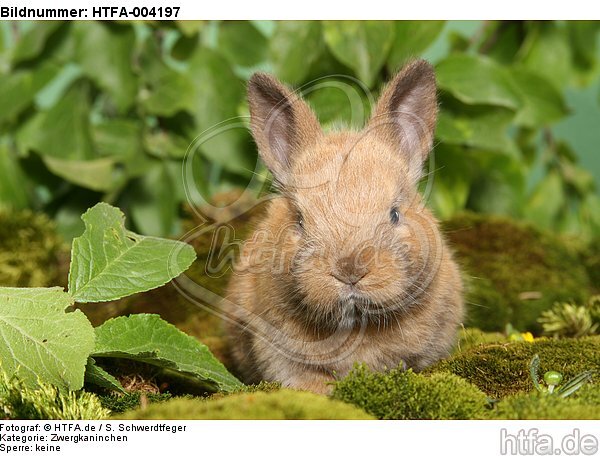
pixel 347 264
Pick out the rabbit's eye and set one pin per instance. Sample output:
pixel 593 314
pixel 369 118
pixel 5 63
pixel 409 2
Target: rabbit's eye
pixel 300 220
pixel 395 215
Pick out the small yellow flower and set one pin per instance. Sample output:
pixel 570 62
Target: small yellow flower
pixel 527 336
pixel 518 337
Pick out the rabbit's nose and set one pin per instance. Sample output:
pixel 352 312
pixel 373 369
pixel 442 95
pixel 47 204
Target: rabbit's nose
pixel 346 270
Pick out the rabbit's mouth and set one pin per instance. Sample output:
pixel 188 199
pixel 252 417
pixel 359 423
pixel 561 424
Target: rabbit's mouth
pixel 356 307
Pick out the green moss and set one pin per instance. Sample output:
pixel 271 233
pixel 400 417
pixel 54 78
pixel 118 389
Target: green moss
pixel 263 386
pixel 472 337
pixel 29 249
pixel 279 405
pixel 514 271
pixel 539 406
pixel 588 394
pixel 399 394
pixel 120 403
pixel 18 402
pixel 267 387
pixel 500 370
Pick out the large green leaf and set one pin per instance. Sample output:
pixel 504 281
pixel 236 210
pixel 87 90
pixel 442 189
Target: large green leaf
pixel 241 43
pixel 477 80
pixel 293 49
pixel 64 130
pixel 98 175
pixel 362 45
pixel 105 53
pixel 41 338
pixel 542 102
pixel 109 262
pixel 148 338
pixel 411 39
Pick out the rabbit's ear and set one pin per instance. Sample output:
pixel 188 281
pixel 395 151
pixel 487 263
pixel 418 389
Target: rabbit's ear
pixel 406 112
pixel 281 122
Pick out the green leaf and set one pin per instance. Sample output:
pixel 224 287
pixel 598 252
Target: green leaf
pixel 33 41
pixel 189 28
pixel 163 144
pixel 583 40
pixel 501 40
pixel 168 92
pixel 122 141
pixel 542 103
pixel 477 80
pixel 41 337
pixel 165 90
pixel 476 126
pixel 119 138
pixel 68 217
pixel 64 130
pixel 18 89
pixel 148 338
pixel 95 375
pixel 218 93
pixel 294 47
pixel 451 180
pixel 241 43
pixel 548 51
pixel 546 201
pixel 105 53
pixel 411 39
pixel 154 203
pixel 339 101
pixel 499 186
pixel 109 262
pixel 13 191
pixel 361 45
pixel 98 175
pixel 575 383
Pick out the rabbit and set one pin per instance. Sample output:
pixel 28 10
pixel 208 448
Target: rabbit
pixel 346 265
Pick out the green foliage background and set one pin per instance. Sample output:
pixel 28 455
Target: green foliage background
pixel 94 111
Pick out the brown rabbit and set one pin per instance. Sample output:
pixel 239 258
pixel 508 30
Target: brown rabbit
pixel 347 264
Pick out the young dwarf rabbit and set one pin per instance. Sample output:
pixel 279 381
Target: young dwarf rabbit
pixel 347 265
